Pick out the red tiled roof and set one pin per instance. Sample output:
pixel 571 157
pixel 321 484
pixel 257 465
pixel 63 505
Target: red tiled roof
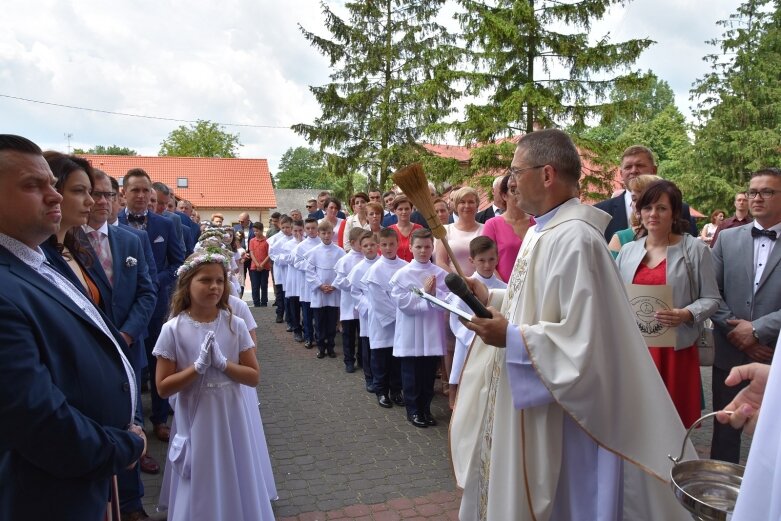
pixel 211 182
pixel 457 152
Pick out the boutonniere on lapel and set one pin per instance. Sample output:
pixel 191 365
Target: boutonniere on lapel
pixel 130 262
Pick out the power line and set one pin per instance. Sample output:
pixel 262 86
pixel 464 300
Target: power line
pixel 159 118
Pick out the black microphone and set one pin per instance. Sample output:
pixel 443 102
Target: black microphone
pixel 457 285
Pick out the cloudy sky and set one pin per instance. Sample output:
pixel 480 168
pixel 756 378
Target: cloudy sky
pixel 236 61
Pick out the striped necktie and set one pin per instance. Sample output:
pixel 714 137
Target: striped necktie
pixel 100 245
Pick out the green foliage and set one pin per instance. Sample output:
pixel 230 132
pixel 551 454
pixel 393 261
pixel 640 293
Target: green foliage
pixel 739 101
pixel 201 139
pixel 516 54
pixel 302 167
pixel 111 150
pixel 391 85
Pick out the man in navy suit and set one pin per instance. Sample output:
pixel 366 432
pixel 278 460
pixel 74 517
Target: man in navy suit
pixel 187 221
pixel 169 255
pixel 66 387
pixel 161 196
pixel 636 160
pixel 128 296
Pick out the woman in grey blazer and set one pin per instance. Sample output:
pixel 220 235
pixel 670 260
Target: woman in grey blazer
pixel 666 254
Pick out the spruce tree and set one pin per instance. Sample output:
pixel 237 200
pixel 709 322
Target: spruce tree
pixel 739 101
pixel 391 84
pixel 532 64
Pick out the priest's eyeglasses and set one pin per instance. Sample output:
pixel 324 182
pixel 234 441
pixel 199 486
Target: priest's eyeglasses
pixel 766 193
pixel 516 172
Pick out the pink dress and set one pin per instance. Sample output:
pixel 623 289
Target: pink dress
pixel 508 244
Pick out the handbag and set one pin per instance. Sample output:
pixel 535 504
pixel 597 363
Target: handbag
pixel 705 344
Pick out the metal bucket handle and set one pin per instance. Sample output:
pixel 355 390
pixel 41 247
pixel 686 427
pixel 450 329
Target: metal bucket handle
pixel 689 431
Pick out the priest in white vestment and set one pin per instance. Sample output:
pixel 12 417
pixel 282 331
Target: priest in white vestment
pixel 561 414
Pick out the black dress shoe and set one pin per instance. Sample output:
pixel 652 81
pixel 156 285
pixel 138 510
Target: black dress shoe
pixel 308 344
pixel 350 368
pixel 298 338
pixel 429 419
pixel 320 355
pixel 280 320
pixel 331 354
pixel 384 401
pixel 398 399
pixel 288 329
pixel 370 388
pixel 417 420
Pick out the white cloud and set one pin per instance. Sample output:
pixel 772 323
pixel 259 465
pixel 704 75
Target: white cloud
pixel 238 61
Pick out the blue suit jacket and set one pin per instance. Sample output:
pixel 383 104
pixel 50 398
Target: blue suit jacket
pixel 130 302
pixel 64 403
pixel 166 248
pixel 195 230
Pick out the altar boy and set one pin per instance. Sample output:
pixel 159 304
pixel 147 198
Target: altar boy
pixel 348 314
pixel 483 256
pixel 320 275
pixel 311 239
pixel 419 339
pixel 360 295
pixel 382 321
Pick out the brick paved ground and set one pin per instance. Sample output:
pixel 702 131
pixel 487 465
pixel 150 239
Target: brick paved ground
pixel 336 454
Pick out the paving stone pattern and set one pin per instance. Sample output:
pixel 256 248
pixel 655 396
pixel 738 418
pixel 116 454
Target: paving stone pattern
pixel 336 454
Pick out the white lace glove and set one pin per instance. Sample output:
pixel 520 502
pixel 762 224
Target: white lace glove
pixel 219 361
pixel 204 357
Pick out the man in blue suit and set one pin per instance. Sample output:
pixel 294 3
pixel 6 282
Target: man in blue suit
pixel 187 221
pixel 128 296
pixel 168 254
pixel 161 196
pixel 66 388
pixel 636 160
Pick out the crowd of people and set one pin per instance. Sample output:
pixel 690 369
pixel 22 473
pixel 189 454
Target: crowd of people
pixel 135 287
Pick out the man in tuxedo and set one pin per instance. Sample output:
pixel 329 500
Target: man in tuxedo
pixel 636 160
pixel 168 254
pixel 128 297
pixel 748 273
pixel 67 390
pixel 498 206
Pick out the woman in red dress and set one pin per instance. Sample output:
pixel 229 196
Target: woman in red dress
pixel 666 255
pixel 402 207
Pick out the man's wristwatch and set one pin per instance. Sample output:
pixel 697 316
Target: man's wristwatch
pixel 754 333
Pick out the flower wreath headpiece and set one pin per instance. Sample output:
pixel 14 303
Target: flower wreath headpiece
pixel 206 256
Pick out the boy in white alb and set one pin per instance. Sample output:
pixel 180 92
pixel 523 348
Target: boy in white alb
pixel 484 257
pixel 419 341
pixel 274 244
pixel 320 275
pixel 360 294
pixel 348 314
pixel 293 281
pixel 311 239
pixel 382 321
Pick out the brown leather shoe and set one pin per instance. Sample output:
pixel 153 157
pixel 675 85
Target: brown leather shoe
pixel 139 515
pixel 162 432
pixel 149 465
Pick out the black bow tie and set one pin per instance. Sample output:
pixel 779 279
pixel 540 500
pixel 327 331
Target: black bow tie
pixel 138 219
pixel 770 234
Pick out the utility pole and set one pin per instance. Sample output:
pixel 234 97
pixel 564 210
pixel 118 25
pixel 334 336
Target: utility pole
pixel 68 136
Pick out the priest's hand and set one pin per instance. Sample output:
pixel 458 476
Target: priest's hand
pixel 492 330
pixel 745 407
pixel 478 288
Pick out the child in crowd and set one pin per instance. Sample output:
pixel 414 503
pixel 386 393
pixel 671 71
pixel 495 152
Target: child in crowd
pixel 205 354
pixel 311 239
pixel 259 266
pixel 483 256
pixel 278 271
pixel 348 313
pixel 293 281
pixel 360 295
pixel 419 338
pixel 320 275
pixel 382 321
